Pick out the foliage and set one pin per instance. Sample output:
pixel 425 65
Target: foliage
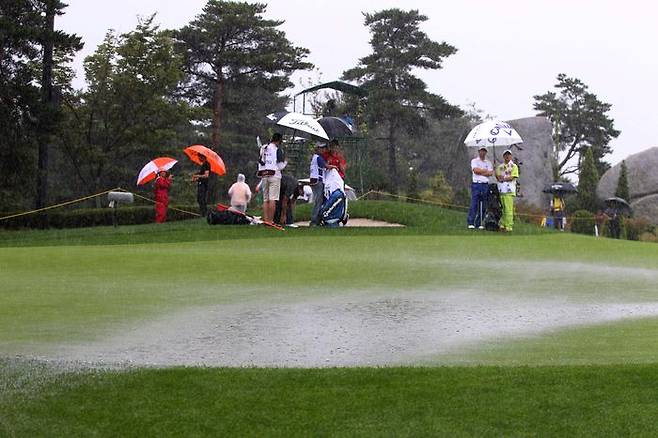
pixel 636 227
pixel 587 182
pixel 580 122
pixel 129 113
pixel 93 217
pixel 622 190
pixel 412 188
pixel 582 222
pixel 27 116
pixel 439 190
pixel 398 101
pixel 231 46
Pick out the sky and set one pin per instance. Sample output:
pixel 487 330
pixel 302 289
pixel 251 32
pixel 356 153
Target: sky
pixel 508 50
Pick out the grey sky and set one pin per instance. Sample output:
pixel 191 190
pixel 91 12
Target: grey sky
pixel 509 50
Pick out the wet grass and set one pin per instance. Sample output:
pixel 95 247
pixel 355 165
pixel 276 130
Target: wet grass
pixel 488 401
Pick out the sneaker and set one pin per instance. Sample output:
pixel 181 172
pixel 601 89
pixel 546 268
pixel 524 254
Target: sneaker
pixel 292 226
pixel 471 227
pixel 480 227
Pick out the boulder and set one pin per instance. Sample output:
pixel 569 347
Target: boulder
pixel 642 183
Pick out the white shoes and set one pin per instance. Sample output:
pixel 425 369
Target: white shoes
pixel 471 227
pixel 480 227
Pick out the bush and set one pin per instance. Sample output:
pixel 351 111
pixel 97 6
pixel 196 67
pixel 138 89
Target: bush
pixel 636 227
pixel 529 213
pixel 91 217
pixel 439 190
pixel 582 222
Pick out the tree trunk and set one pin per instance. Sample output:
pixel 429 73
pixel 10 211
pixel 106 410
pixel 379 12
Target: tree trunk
pixel 392 159
pixel 45 121
pixel 217 107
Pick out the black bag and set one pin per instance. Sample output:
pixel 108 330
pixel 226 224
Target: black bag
pixel 226 217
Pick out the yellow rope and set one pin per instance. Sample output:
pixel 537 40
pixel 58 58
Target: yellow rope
pixel 63 204
pixel 156 202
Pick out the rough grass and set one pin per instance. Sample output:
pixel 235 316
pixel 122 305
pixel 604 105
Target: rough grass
pixel 550 401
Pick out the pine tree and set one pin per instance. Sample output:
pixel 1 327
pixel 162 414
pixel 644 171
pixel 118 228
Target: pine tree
pixel 588 179
pixel 622 183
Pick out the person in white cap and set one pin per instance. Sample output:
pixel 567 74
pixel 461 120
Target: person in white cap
pixel 481 169
pixel 507 173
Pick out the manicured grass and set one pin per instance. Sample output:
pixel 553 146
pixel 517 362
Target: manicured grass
pixel 551 401
pixel 626 342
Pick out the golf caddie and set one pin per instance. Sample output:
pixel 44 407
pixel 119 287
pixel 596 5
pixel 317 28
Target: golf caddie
pixel 481 169
pixel 507 173
pixel 270 163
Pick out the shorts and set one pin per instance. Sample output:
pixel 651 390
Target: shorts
pixel 271 188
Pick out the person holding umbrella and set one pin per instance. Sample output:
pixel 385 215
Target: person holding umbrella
pixel 481 169
pixel 201 179
pixel 507 173
pixel 161 195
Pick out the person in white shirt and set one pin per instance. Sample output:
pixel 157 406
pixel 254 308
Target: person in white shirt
pixel 270 164
pixel 481 169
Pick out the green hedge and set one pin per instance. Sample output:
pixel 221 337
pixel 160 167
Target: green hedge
pixel 582 221
pixel 90 217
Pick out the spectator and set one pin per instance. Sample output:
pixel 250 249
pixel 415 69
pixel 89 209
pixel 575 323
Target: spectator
pixel 334 158
pixel 240 194
pixel 201 179
pixel 557 211
pixel 161 195
pixel 285 206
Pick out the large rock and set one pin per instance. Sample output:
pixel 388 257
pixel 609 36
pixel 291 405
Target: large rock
pixel 642 183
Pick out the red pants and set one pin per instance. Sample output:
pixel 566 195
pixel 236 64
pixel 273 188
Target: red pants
pixel 161 211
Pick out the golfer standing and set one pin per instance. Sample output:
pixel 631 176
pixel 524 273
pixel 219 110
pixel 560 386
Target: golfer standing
pixel 481 169
pixel 317 182
pixel 270 163
pixel 507 173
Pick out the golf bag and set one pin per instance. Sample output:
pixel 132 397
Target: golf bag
pixel 226 217
pixel 334 209
pixel 493 209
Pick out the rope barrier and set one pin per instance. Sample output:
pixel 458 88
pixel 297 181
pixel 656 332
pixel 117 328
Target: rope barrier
pixel 156 202
pixel 60 205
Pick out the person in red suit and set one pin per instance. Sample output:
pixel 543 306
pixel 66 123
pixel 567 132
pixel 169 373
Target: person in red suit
pixel 161 192
pixel 334 158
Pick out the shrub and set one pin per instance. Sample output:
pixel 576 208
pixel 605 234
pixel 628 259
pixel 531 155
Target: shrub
pixel 529 213
pixel 439 191
pixel 90 217
pixel 635 227
pixel 582 222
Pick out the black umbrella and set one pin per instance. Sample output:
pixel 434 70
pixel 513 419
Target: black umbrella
pixel 336 127
pixel 560 188
pixel 619 203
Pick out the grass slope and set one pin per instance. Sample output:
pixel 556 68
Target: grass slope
pixel 551 401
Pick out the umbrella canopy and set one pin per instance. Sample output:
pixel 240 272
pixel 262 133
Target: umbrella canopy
pixel 216 163
pixel 150 171
pixel 335 127
pixel 560 187
pixel 617 203
pixel 298 122
pixel 492 133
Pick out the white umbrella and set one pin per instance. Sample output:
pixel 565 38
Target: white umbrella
pixel 492 133
pixel 298 122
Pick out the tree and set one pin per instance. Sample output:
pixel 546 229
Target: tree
pixel 580 122
pixel 622 183
pixel 230 43
pixel 587 181
pixel 398 101
pixel 28 101
pixel 129 112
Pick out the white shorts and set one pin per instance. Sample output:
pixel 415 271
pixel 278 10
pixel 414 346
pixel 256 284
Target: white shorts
pixel 271 188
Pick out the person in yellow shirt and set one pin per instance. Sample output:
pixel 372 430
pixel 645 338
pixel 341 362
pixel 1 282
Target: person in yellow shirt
pixel 507 173
pixel 557 210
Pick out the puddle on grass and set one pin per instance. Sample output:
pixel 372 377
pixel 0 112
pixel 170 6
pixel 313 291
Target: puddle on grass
pixel 361 330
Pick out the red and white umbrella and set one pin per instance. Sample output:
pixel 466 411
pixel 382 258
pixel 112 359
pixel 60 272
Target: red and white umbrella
pixel 150 171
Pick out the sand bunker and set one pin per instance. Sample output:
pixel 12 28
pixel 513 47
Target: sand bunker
pixel 359 222
pixel 341 331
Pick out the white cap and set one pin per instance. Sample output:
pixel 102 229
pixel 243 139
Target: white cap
pixel 507 151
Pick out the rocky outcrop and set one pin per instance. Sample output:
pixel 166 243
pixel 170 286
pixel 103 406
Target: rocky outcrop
pixel 642 183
